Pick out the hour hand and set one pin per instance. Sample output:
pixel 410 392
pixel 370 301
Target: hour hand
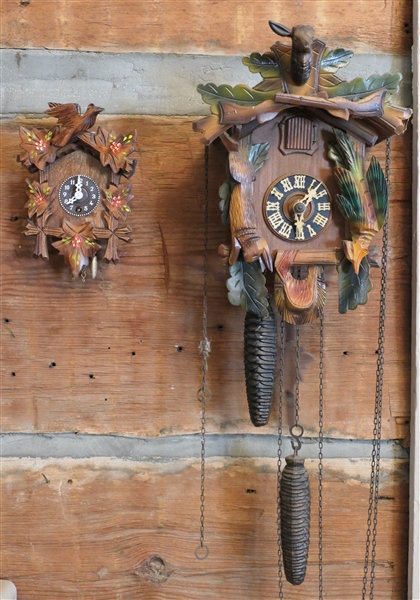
pixel 299 223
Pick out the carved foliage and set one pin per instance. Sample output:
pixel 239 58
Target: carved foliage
pixel 77 236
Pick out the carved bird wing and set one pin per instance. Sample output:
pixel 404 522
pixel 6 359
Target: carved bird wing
pixel 67 115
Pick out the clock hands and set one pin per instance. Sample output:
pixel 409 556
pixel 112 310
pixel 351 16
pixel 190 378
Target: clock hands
pixel 78 194
pixel 300 207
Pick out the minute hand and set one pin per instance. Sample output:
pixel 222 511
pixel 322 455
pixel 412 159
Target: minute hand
pixel 310 195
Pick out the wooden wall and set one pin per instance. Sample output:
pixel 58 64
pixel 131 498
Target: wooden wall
pixel 119 355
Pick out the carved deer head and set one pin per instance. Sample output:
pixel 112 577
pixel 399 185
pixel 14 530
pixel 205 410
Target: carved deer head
pixel 301 59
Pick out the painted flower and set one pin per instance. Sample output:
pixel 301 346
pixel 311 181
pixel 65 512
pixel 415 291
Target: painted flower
pixel 116 200
pixel 38 148
pixel 77 245
pixel 113 149
pixel 40 196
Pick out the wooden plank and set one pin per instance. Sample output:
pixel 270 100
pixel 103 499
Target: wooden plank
pixel 120 354
pixel 191 26
pixel 119 529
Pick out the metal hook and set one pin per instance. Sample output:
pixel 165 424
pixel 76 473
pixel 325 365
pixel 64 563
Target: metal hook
pixel 295 441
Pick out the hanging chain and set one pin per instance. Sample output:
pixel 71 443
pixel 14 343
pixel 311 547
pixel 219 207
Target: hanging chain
pixel 320 449
pixel 297 375
pixel 372 520
pixel 204 393
pixel 279 454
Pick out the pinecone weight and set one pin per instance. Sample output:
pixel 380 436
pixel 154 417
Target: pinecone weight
pixel 260 345
pixel 295 505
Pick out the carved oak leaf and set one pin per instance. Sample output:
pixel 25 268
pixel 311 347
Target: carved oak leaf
pixel 116 200
pixel 77 246
pixel 41 246
pixel 38 148
pixel 113 149
pixel 40 196
pixel 113 234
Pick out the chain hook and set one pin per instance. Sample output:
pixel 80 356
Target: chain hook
pixel 295 441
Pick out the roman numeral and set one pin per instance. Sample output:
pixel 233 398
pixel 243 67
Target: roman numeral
pixel 312 231
pixel 276 219
pixel 272 205
pixel 277 193
pixel 324 206
pixel 287 184
pixel 320 220
pixel 299 182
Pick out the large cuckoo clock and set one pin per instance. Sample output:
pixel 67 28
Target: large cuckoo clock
pixel 77 197
pixel 300 199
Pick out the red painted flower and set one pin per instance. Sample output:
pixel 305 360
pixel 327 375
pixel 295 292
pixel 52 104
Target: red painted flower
pixel 77 245
pixel 38 148
pixel 40 196
pixel 114 150
pixel 116 200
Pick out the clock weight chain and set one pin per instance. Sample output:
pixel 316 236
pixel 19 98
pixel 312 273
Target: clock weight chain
pixel 204 393
pixel 293 482
pixel 372 519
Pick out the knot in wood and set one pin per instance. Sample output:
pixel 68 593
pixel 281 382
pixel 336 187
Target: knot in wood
pixel 154 570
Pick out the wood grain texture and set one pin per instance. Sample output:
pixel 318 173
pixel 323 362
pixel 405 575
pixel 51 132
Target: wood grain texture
pixel 120 354
pixel 115 529
pixel 216 27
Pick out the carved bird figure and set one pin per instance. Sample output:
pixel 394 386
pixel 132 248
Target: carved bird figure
pixel 70 118
pixel 301 57
pixel 298 300
pixel 363 201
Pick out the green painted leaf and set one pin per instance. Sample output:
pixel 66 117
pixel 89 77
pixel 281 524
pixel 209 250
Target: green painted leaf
pixel 273 85
pixel 258 155
pixel 332 60
pixel 246 287
pixel 359 87
pixel 225 192
pixel 378 190
pixel 264 64
pixel 240 94
pixel 353 289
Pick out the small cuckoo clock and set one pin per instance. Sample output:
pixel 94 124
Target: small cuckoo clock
pixel 77 197
pixel 299 199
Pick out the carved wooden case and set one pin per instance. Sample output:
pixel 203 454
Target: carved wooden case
pixel 78 196
pixel 299 191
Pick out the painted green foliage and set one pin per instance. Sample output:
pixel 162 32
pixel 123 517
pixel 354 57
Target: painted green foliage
pixel 363 202
pixel 246 287
pixel 267 66
pixel 352 289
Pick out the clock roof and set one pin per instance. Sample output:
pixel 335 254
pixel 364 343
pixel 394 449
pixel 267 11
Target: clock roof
pixel 360 107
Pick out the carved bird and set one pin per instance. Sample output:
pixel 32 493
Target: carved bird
pixel 301 57
pixel 298 300
pixel 69 116
pixel 363 200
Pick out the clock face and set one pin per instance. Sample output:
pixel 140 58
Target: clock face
pixel 79 195
pixel 297 207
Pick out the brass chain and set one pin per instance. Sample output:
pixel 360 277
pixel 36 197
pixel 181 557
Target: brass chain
pixel 372 519
pixel 279 454
pixel 204 393
pixel 320 450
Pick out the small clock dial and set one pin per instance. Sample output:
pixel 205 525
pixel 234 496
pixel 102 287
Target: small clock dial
pixel 79 195
pixel 297 207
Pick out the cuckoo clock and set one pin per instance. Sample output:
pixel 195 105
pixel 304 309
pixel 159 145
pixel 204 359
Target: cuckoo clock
pixel 300 198
pixel 77 197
